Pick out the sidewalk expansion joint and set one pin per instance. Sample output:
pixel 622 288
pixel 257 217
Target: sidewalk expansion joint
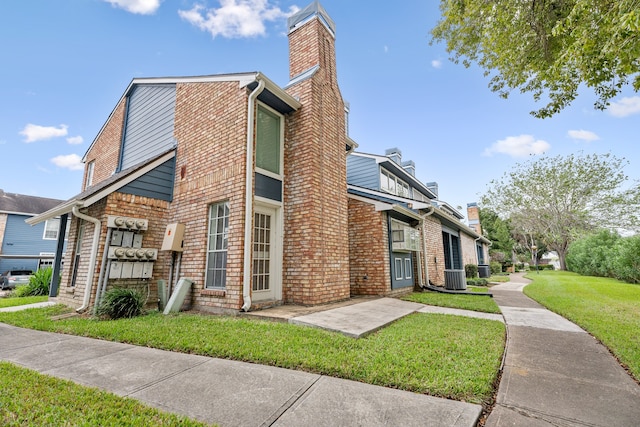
pixel 164 378
pixel 289 403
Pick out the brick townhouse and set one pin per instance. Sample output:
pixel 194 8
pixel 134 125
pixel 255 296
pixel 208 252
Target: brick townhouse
pixel 240 186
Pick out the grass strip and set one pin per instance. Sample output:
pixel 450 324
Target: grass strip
pixel 465 302
pixel 30 398
pixel 606 308
pixel 447 356
pixel 16 301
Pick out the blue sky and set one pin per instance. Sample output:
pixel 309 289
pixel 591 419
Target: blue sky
pixel 65 64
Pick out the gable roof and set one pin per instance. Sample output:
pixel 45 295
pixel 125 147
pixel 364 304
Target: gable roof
pixel 272 94
pixel 103 188
pixel 26 205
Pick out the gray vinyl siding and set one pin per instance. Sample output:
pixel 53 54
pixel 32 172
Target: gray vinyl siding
pixel 157 183
pixel 363 172
pixel 23 239
pixel 149 123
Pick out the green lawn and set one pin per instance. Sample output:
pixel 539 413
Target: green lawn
pixel 465 302
pixel 15 301
pixel 29 398
pixel 499 278
pixel 447 356
pixel 606 308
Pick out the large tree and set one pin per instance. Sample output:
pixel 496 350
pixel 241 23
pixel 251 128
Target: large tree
pixel 558 199
pixel 547 47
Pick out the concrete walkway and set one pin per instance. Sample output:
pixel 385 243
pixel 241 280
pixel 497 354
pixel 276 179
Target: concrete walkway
pixel 232 393
pixel 555 374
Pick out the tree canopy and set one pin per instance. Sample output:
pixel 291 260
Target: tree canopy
pixel 559 199
pixel 547 47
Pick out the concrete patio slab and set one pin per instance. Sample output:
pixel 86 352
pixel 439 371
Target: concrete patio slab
pixel 358 320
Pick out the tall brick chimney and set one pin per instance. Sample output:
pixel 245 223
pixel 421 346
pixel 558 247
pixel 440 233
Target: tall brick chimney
pixel 473 215
pixel 316 242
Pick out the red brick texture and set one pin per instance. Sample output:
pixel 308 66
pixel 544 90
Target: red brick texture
pixel 468 245
pixel 435 250
pixel 368 250
pixel 316 246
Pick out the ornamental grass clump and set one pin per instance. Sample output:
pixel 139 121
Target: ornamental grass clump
pixel 120 302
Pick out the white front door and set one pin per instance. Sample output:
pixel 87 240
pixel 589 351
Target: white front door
pixel 266 276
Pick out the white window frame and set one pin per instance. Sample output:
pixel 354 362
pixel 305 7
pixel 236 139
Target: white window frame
pixel 90 169
pixel 280 175
pixel 225 243
pixel 51 226
pixel 397 184
pixel 399 274
pixel 408 270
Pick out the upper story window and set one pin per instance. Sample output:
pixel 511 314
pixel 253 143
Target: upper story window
pixel 269 138
pixel 392 184
pixel 51 228
pixel 90 167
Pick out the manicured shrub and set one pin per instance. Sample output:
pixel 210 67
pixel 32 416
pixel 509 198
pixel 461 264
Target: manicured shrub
pixel 471 271
pixel 477 282
pixel 120 302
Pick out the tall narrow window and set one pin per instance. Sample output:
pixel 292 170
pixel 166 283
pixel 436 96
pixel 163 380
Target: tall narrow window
pixel 90 166
pixel 217 236
pixel 268 140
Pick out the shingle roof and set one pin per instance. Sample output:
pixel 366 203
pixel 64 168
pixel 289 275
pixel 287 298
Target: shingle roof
pixel 23 204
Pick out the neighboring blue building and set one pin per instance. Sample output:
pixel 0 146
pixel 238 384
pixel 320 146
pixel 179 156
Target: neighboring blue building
pixel 23 246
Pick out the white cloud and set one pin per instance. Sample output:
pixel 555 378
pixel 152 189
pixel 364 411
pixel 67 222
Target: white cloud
pixel 583 135
pixel 74 140
pixel 436 63
pixel 34 133
pixel 518 146
pixel 70 161
pixel 235 18
pixel 625 107
pixel 386 49
pixel 142 7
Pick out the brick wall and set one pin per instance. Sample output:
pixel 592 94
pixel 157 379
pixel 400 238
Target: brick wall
pixel 105 150
pixel 368 250
pixel 115 204
pixel 468 246
pixel 316 245
pixel 211 129
pixel 435 250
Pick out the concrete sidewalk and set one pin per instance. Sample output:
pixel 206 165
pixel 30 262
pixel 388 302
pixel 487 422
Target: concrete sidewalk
pixel 232 393
pixel 555 374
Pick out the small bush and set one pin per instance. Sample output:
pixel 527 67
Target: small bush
pixel 477 282
pixel 471 271
pixel 121 302
pixel 38 284
pixel 495 267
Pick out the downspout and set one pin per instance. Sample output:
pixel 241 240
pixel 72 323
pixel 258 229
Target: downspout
pixel 97 226
pixel 248 199
pixel 424 246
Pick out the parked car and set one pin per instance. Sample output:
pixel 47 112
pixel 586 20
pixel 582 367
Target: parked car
pixel 12 278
